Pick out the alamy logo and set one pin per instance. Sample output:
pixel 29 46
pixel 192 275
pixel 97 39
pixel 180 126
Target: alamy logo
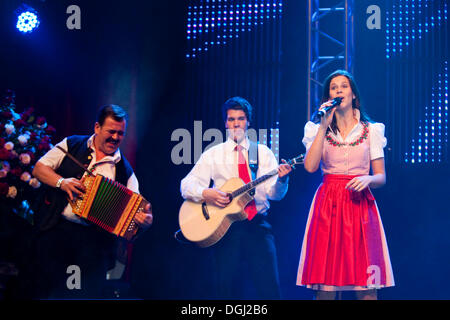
pixel 74 280
pixel 74 20
pixel 189 146
pixel 374 279
pixel 374 21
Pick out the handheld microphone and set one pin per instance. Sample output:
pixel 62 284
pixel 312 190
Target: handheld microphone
pixel 336 101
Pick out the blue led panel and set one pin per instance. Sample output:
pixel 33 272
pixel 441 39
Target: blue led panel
pixel 213 23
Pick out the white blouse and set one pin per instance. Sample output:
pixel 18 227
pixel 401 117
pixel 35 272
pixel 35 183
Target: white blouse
pixel 349 157
pixel 376 136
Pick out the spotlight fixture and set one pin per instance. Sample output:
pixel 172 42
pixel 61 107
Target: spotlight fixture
pixel 27 19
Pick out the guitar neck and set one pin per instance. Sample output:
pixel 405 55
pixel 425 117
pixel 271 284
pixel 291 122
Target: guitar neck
pixel 252 184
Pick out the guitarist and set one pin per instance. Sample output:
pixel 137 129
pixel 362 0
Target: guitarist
pixel 248 248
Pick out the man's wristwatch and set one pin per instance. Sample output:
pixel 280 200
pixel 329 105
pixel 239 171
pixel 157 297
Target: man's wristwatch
pixel 58 183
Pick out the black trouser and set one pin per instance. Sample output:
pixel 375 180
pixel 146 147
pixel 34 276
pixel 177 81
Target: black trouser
pixel 246 262
pixel 88 248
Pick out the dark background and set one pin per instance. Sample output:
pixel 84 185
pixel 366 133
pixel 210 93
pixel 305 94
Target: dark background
pixel 133 54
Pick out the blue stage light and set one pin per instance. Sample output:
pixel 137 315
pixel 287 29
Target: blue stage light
pixel 226 20
pixel 27 21
pixel 433 134
pixel 419 21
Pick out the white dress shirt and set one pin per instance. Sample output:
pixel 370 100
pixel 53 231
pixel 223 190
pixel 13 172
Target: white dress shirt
pixel 106 167
pixel 220 163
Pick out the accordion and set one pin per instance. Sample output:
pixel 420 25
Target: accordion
pixel 109 205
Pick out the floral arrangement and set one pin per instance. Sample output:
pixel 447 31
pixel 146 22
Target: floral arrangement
pixel 24 138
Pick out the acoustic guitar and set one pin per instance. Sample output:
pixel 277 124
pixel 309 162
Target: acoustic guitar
pixel 205 224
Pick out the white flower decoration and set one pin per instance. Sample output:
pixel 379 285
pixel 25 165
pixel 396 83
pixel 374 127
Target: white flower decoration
pixel 34 183
pixel 25 158
pixel 9 129
pixel 25 176
pixel 12 192
pixel 23 139
pixel 9 146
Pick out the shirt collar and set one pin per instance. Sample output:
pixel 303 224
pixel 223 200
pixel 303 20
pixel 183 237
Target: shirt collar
pixel 357 127
pixel 115 157
pixel 230 144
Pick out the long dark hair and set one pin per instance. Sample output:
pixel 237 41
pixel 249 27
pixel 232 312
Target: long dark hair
pixel 356 103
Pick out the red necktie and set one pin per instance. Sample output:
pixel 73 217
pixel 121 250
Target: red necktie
pixel 250 209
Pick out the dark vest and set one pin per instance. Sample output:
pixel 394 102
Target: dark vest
pixel 51 201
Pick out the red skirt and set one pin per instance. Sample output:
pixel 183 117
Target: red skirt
pixel 344 247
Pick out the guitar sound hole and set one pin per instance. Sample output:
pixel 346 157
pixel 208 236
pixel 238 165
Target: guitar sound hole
pixel 205 211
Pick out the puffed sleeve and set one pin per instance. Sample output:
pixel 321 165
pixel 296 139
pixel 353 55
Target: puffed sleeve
pixel 377 140
pixel 311 129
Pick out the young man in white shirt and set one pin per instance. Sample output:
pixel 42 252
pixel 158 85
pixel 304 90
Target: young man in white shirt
pixel 247 243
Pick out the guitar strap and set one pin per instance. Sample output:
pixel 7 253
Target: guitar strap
pixel 253 158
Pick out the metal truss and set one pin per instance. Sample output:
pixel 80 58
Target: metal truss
pixel 324 50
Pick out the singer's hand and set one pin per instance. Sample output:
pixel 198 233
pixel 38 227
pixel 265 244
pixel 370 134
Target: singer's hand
pixel 326 120
pixel 358 184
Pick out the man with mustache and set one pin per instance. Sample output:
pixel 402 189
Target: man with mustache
pixel 248 248
pixel 62 238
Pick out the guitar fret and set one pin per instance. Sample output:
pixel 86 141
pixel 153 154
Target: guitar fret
pixel 254 183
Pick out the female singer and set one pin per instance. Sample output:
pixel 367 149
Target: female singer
pixel 344 246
